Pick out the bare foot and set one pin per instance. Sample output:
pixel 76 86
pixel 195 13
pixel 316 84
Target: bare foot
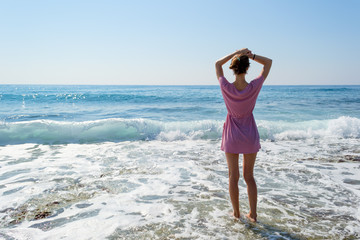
pixel 251 218
pixel 237 216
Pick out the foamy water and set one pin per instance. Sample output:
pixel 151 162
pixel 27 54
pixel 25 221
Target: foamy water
pixel 147 177
pixel 175 189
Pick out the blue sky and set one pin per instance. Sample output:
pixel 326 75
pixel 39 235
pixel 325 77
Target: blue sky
pixel 176 42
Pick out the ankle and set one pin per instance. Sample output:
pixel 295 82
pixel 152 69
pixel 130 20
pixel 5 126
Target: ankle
pixel 253 215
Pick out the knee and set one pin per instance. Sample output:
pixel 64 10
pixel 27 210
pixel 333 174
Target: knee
pixel 234 176
pixel 249 178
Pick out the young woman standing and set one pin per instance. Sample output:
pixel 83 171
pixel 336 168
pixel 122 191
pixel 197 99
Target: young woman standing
pixel 240 134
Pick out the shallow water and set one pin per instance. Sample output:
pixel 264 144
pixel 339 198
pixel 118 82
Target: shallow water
pixel 145 163
pixel 175 190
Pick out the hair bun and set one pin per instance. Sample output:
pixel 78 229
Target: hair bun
pixel 239 64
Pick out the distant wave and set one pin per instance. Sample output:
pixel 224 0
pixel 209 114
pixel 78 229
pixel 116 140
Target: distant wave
pixel 118 129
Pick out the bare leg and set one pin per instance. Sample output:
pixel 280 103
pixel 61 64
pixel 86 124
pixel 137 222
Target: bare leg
pixel 233 165
pixel 248 173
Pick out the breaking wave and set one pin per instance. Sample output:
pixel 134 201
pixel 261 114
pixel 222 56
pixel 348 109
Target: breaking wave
pixel 119 129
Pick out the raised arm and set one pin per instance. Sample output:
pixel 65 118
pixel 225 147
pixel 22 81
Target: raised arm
pixel 222 61
pixel 267 62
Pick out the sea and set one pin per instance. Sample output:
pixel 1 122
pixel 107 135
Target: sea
pixel 144 162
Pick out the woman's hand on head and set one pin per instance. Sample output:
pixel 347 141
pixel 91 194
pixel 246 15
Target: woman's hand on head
pixel 250 55
pixel 243 51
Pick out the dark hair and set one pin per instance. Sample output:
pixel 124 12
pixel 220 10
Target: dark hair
pixel 239 64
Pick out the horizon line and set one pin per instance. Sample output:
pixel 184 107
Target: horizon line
pixel 53 84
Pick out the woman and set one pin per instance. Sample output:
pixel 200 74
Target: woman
pixel 240 134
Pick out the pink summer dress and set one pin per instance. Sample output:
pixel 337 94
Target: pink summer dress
pixel 240 133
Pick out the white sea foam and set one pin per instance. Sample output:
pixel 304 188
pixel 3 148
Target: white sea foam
pixel 176 189
pixel 343 127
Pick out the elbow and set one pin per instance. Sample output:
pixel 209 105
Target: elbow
pixel 218 66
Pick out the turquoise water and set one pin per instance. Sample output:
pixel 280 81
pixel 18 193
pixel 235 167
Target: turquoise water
pixel 171 103
pixel 144 162
pixel 62 114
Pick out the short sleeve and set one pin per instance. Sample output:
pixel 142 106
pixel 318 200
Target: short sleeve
pixel 258 82
pixel 223 81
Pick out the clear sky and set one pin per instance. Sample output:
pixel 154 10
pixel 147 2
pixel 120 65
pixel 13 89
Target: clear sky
pixel 176 41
